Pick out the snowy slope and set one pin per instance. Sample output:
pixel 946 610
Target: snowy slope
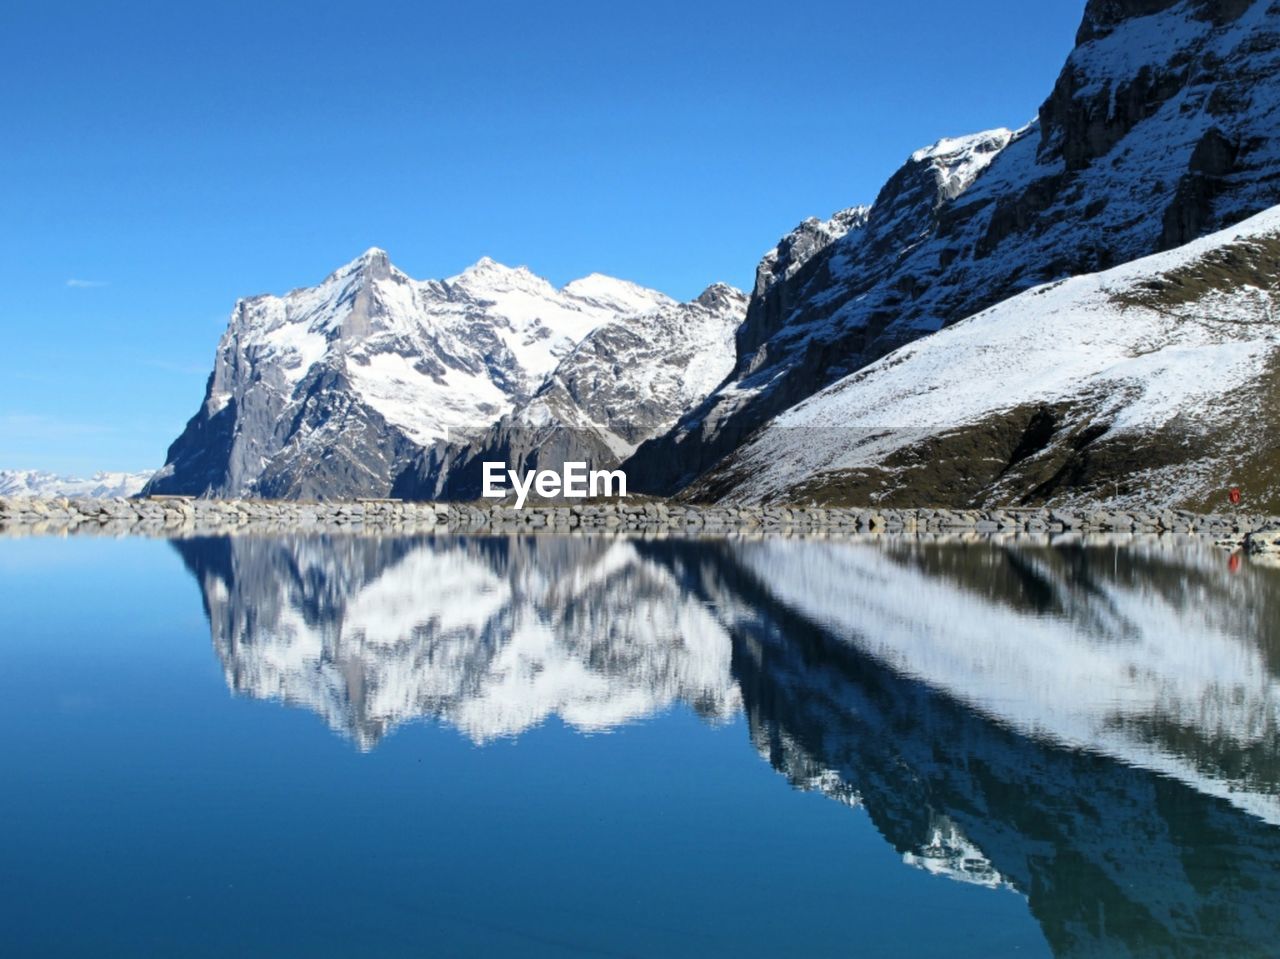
pixel 1162 127
pixel 331 390
pixel 45 484
pixel 1176 345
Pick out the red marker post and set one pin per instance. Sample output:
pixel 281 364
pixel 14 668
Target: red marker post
pixel 1234 496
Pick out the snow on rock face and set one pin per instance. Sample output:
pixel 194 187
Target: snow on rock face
pixel 631 378
pixel 1179 344
pixel 102 485
pixel 331 390
pixel 628 380
pixel 799 246
pixel 1163 126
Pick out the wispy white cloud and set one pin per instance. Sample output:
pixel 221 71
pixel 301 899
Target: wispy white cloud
pixel 86 284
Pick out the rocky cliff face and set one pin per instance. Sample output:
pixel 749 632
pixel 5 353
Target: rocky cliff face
pixel 629 380
pixel 1150 384
pixel 1164 125
pixel 333 390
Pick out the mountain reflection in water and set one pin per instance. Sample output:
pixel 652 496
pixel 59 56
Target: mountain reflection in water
pixel 1095 729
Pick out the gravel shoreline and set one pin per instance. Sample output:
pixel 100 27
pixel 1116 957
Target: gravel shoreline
pixel 180 517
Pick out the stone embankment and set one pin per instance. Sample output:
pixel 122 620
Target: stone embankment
pixel 174 516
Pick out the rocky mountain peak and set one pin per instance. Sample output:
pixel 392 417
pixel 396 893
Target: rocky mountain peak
pixel 1102 16
pixel 801 244
pixel 488 268
pixel 330 390
pixel 373 264
pixel 375 254
pixel 721 296
pixel 953 163
pixel 487 280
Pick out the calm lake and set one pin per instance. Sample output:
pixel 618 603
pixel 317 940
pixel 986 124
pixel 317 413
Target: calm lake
pixel 442 746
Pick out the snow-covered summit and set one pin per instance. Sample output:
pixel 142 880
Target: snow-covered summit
pixel 957 161
pixel 330 390
pixel 621 296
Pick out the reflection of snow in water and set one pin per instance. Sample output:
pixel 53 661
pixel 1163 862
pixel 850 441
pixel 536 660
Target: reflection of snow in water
pixel 898 680
pixel 950 855
pixel 1116 660
pixel 493 644
pixel 495 638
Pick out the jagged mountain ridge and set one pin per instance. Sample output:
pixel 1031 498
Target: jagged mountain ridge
pixel 1162 127
pixel 625 382
pixel 334 390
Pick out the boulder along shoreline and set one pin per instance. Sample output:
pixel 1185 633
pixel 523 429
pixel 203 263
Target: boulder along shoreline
pixel 183 517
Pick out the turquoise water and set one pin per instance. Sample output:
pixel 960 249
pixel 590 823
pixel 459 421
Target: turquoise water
pixel 545 747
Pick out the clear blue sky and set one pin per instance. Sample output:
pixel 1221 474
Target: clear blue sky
pixel 162 159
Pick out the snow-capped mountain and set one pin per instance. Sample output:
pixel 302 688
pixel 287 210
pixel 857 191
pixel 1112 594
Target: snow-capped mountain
pixel 628 380
pixel 1153 380
pixel 333 390
pixel 1163 126
pixel 41 483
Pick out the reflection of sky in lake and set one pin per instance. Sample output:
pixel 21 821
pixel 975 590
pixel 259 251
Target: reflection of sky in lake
pixel 1083 741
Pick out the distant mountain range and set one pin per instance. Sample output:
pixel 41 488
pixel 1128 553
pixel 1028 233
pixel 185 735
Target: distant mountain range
pixel 921 349
pixel 41 483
